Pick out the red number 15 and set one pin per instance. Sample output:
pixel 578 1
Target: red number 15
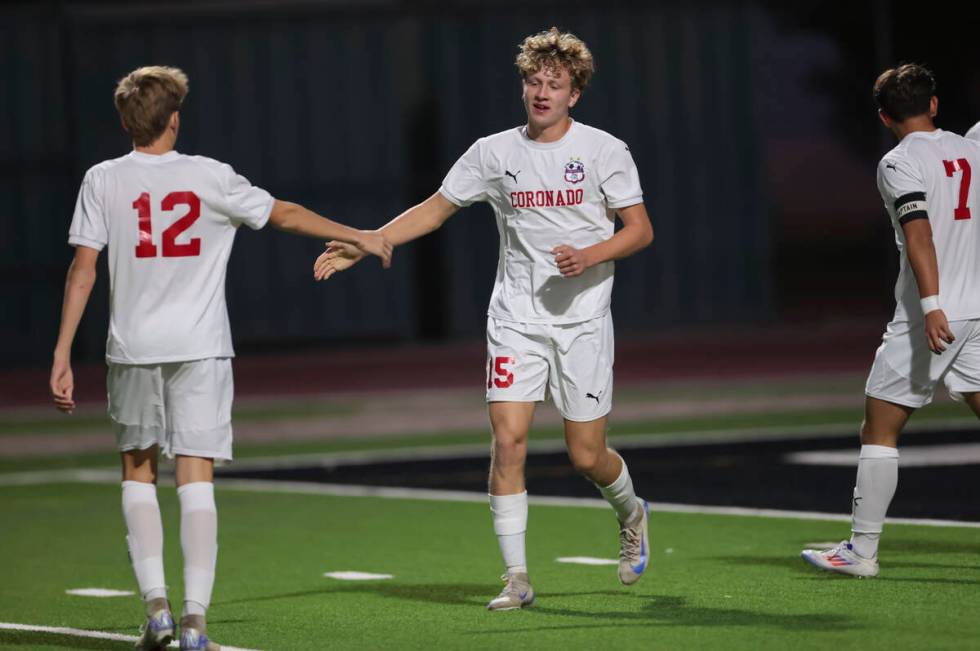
pixel 171 248
pixel 504 377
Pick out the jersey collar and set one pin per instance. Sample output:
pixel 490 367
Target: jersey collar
pixel 154 158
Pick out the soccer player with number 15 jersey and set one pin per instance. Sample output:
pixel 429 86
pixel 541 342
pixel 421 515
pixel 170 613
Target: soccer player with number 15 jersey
pixel 556 187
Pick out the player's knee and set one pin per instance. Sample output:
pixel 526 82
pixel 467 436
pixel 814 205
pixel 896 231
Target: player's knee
pixel 585 460
pixel 506 438
pixel 509 451
pixel 140 466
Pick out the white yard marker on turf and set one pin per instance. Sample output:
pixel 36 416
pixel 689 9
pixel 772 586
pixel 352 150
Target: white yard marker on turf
pixel 357 576
pixel 98 635
pixel 586 560
pixel 99 592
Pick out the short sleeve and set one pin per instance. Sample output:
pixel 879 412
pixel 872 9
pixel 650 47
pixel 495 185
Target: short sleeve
pixel 88 225
pixel 245 203
pixel 619 179
pixel 902 188
pixel 466 182
pixel 974 132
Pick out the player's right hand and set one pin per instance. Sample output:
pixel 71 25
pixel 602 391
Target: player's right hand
pixel 338 257
pixel 938 332
pixel 375 243
pixel 62 385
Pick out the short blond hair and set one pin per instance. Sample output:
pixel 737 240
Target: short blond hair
pixel 146 98
pixel 554 50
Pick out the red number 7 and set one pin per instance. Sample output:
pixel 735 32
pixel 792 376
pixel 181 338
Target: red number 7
pixel 961 211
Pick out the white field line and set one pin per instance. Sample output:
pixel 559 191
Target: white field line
pixel 98 635
pixel 111 475
pixel 347 490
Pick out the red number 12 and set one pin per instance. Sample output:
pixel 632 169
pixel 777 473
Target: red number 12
pixel 171 248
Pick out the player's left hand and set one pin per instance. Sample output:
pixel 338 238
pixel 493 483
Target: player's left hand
pixel 937 331
pixel 62 385
pixel 338 257
pixel 571 262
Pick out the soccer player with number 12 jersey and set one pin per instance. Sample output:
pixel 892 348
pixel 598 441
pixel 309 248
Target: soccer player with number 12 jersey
pixel 169 221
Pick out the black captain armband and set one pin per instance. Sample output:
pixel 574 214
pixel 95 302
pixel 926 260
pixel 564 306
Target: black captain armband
pixel 911 206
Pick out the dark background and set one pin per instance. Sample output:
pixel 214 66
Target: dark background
pixel 752 125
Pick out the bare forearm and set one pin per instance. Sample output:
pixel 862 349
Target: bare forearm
pixel 78 288
pixel 294 218
pixel 419 220
pixel 627 241
pixel 922 258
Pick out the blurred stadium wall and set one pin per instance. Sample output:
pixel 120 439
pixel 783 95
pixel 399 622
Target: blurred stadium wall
pixel 358 110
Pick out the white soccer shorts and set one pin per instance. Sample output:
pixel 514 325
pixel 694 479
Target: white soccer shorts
pixel 906 372
pixel 573 363
pixel 184 407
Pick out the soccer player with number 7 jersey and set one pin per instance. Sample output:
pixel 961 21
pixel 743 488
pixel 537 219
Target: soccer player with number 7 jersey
pixel 930 188
pixel 556 187
pixel 169 221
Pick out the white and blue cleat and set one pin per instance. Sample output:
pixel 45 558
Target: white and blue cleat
pixel 517 593
pixel 158 630
pixel 634 545
pixel 192 636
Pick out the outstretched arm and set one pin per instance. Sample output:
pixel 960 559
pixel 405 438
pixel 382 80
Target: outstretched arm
pixel 412 224
pixel 294 218
pixel 636 234
pixel 78 288
pixel 922 257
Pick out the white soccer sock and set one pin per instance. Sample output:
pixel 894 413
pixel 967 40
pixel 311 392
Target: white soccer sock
pixel 199 541
pixel 141 511
pixel 510 525
pixel 877 478
pixel 620 494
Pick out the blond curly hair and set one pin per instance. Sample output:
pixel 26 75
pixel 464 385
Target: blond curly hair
pixel 554 50
pixel 147 97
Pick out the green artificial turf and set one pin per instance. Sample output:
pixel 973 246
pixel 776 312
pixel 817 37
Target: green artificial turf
pixel 716 582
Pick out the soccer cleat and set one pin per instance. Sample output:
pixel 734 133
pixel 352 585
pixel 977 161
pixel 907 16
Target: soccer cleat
pixel 842 559
pixel 634 545
pixel 517 593
pixel 192 636
pixel 158 630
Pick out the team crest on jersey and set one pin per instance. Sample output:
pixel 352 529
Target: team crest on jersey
pixel 574 171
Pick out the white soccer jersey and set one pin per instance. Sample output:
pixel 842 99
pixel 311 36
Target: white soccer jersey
pixel 974 132
pixel 934 175
pixel 169 222
pixel 544 195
